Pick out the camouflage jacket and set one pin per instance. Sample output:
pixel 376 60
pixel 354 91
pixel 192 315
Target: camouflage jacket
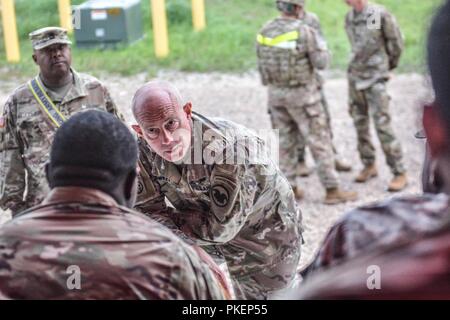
pixel 79 244
pixel 415 269
pixel 380 225
pixel 289 53
pixel 242 205
pixel 376 49
pixel 26 135
pixel 312 20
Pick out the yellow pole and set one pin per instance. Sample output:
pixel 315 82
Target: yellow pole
pixel 198 14
pixel 10 31
pixel 160 33
pixel 65 15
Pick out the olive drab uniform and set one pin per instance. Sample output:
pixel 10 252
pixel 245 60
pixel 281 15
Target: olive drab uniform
pixel 289 53
pixel 80 244
pixel 376 49
pixel 27 131
pixel 232 201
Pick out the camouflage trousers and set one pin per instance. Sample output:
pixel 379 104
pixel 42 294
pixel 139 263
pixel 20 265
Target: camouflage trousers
pixel 374 102
pixel 302 140
pixel 255 287
pixel 307 121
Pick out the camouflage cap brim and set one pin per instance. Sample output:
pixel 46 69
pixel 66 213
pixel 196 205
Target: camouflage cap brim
pixel 51 42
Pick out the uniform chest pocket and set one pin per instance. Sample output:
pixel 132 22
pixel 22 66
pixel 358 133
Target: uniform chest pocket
pixel 198 180
pixel 34 130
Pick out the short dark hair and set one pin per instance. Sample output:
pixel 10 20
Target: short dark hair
pixel 99 149
pixel 439 60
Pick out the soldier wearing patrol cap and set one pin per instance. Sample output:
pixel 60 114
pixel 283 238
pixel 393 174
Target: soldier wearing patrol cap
pixel 289 54
pixel 35 110
pixel 226 193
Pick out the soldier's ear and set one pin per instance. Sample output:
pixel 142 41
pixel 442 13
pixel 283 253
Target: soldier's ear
pixel 48 174
pixel 130 185
pixel 137 129
pixel 435 130
pixel 188 109
pixel 34 57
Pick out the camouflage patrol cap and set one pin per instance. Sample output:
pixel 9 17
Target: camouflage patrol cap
pixel 45 37
pixel 300 3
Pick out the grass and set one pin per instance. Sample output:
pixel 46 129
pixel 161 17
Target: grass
pixel 227 44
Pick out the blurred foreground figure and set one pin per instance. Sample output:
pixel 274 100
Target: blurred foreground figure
pixel 83 242
pixel 399 248
pixel 226 192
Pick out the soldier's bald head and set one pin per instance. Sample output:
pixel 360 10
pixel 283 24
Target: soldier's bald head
pixel 155 100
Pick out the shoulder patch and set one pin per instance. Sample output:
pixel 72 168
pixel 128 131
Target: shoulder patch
pixel 2 122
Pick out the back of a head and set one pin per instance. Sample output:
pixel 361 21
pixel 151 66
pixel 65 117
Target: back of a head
pixel 92 149
pixel 439 59
pixel 289 7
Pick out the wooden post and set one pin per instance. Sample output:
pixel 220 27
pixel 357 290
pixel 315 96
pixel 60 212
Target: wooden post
pixel 10 31
pixel 198 15
pixel 160 33
pixel 65 15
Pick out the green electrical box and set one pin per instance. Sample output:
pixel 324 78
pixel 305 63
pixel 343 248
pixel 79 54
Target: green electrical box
pixel 101 23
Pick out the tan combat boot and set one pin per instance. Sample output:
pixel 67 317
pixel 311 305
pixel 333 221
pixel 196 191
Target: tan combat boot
pixel 336 196
pixel 298 193
pixel 367 173
pixel 303 170
pixel 398 183
pixel 342 166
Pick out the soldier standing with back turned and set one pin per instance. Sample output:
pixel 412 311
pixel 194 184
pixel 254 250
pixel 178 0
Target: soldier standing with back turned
pixel 289 53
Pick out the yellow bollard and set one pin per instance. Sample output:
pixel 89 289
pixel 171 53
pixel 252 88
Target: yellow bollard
pixel 10 31
pixel 65 15
pixel 198 14
pixel 160 33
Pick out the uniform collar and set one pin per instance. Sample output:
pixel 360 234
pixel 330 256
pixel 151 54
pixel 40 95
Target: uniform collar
pixel 77 90
pixel 80 195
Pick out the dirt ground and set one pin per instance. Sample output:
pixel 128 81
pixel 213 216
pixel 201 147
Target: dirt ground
pixel 243 99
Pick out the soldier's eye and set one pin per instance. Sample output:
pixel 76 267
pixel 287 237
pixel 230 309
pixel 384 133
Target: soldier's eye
pixel 172 125
pixel 152 133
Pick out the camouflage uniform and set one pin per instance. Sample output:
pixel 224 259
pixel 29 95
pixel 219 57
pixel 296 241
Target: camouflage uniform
pixel 415 269
pixel 311 20
pixel 241 208
pixel 378 226
pixel 26 134
pixel 374 53
pixel 288 68
pixel 120 254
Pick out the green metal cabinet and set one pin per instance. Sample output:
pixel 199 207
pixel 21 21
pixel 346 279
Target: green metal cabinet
pixel 107 24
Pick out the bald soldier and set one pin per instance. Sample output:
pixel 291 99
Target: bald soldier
pixel 35 110
pixel 83 241
pixel 226 194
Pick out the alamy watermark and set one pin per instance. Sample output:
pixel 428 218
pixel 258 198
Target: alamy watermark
pixel 74 279
pixel 374 279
